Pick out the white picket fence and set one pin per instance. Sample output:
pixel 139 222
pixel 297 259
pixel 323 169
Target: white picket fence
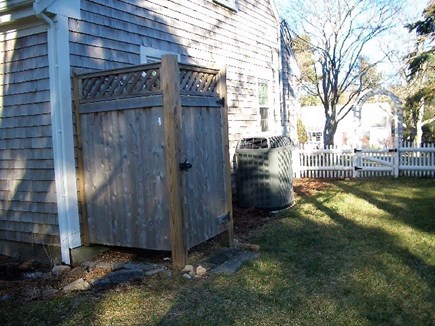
pixel 407 160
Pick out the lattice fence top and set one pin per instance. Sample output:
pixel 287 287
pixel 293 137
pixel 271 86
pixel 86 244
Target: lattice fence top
pixel 119 83
pixel 143 80
pixel 198 80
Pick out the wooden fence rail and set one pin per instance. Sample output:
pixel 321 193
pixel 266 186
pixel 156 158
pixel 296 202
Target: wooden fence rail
pixel 408 160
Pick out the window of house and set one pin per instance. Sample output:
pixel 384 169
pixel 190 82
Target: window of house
pixel 315 136
pixel 152 55
pixel 230 4
pixel 263 102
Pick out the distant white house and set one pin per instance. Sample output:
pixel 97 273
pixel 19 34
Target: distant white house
pixel 373 131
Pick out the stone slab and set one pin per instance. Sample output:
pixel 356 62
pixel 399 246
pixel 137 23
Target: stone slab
pixel 233 265
pixel 84 253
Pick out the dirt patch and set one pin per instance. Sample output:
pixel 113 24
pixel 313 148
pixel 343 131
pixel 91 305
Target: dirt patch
pixel 247 220
pixel 30 280
pixel 19 279
pixel 309 187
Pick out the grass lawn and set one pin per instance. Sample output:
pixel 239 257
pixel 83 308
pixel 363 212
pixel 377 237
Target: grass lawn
pixel 350 253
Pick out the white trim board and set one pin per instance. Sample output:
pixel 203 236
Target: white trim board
pixel 63 143
pixel 151 55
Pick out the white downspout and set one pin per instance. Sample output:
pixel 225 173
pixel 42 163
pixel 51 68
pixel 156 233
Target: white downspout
pixel 65 178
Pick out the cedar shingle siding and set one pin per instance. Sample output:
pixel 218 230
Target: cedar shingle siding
pixel 110 34
pixel 28 211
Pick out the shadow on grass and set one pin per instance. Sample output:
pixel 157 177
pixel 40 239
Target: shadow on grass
pixel 312 272
pixel 317 266
pixel 416 208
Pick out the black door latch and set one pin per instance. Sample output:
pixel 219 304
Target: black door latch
pixel 221 101
pixel 185 166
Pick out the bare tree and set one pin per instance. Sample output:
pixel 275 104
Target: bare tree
pixel 337 32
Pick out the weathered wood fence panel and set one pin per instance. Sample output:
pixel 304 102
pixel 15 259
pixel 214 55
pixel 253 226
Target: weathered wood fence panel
pixel 205 191
pixel 154 151
pixel 124 178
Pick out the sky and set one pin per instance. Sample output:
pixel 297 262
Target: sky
pixel 398 39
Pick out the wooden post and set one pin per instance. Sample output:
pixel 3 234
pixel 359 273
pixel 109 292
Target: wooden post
pixel 80 165
pixel 227 237
pixel 170 85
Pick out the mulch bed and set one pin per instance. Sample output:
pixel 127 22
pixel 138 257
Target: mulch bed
pixel 308 187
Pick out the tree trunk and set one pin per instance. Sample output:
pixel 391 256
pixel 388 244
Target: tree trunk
pixel 419 131
pixel 329 131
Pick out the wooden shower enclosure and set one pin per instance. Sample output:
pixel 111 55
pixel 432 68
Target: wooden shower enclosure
pixel 153 157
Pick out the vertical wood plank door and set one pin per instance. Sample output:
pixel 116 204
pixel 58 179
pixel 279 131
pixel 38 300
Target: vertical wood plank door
pixel 125 178
pixel 206 211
